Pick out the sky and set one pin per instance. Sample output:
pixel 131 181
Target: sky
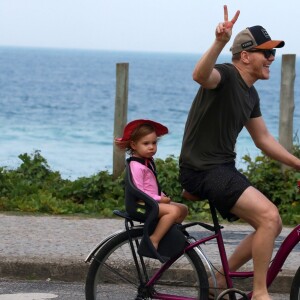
pixel 185 26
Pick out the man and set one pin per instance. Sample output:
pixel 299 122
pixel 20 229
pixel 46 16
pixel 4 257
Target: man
pixel 225 103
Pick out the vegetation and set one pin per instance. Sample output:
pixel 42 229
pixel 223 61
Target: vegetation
pixel 33 187
pixel 278 185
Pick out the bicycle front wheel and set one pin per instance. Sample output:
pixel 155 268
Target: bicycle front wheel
pixel 295 288
pixel 113 274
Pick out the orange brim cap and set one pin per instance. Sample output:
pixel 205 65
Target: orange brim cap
pixel 270 45
pixel 254 37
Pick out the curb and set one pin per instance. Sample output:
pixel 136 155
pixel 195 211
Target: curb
pixel 68 272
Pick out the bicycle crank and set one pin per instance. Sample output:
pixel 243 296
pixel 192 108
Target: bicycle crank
pixel 232 293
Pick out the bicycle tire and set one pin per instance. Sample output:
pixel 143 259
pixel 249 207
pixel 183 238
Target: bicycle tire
pixel 295 288
pixel 112 274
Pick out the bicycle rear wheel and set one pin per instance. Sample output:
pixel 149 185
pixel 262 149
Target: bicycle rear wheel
pixel 295 288
pixel 113 275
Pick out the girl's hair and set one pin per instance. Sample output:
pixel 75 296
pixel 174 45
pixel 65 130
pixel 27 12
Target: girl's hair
pixel 138 133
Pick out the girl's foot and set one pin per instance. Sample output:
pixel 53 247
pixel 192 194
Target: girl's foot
pixel 155 244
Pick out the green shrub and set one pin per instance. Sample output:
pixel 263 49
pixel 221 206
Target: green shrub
pixel 34 187
pixel 278 185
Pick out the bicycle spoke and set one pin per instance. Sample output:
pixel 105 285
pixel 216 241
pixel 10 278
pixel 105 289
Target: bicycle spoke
pixel 122 277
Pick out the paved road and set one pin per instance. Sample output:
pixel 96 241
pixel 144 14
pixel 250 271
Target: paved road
pixel 38 290
pixel 43 290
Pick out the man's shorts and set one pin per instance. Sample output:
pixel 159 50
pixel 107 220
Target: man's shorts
pixel 222 185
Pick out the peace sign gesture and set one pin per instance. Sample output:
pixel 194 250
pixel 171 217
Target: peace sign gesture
pixel 224 29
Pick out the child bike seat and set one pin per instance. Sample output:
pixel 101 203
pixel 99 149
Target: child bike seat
pixel 144 208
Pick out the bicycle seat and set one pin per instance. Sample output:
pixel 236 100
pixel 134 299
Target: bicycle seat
pixel 188 196
pixel 144 208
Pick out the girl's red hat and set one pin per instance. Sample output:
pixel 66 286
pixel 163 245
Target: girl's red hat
pixel 131 126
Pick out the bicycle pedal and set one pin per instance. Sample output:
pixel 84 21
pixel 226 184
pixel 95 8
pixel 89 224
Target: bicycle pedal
pixel 230 294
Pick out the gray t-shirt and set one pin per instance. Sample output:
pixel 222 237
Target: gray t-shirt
pixel 216 118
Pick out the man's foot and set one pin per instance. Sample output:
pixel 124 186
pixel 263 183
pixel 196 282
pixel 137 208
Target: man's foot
pixel 221 286
pixel 261 297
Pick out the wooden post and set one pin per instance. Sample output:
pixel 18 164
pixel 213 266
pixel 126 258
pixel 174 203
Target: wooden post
pixel 121 105
pixel 287 104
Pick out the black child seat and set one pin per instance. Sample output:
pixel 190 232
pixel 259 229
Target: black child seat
pixel 143 208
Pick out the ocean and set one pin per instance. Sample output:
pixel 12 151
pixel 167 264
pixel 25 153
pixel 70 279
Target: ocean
pixel 61 102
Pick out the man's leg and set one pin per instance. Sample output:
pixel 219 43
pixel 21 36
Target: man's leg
pixel 263 216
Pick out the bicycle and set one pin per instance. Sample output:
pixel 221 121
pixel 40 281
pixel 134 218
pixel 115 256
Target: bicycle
pixel 116 260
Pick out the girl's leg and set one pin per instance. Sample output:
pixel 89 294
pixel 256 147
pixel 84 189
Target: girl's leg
pixel 183 211
pixel 168 214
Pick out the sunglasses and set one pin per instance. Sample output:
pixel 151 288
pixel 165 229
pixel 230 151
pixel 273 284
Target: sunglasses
pixel 267 52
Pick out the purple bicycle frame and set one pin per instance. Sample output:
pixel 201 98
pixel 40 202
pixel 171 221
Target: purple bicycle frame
pixel 283 252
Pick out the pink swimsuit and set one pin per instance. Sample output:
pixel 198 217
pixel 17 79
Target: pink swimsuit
pixel 145 180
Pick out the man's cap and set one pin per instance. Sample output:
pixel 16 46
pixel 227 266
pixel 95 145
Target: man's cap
pixel 131 126
pixel 254 37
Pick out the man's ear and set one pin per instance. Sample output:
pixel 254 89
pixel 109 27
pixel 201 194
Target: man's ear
pixel 245 57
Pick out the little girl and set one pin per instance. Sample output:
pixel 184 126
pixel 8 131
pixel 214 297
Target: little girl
pixel 140 141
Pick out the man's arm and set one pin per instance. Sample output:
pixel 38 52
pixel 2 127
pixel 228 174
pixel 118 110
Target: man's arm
pixel 269 145
pixel 204 72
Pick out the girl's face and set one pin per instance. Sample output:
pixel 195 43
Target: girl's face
pixel 145 147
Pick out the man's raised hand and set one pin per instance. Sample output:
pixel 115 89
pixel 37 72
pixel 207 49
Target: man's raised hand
pixel 224 29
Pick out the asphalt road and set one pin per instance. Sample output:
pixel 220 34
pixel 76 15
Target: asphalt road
pixel 44 290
